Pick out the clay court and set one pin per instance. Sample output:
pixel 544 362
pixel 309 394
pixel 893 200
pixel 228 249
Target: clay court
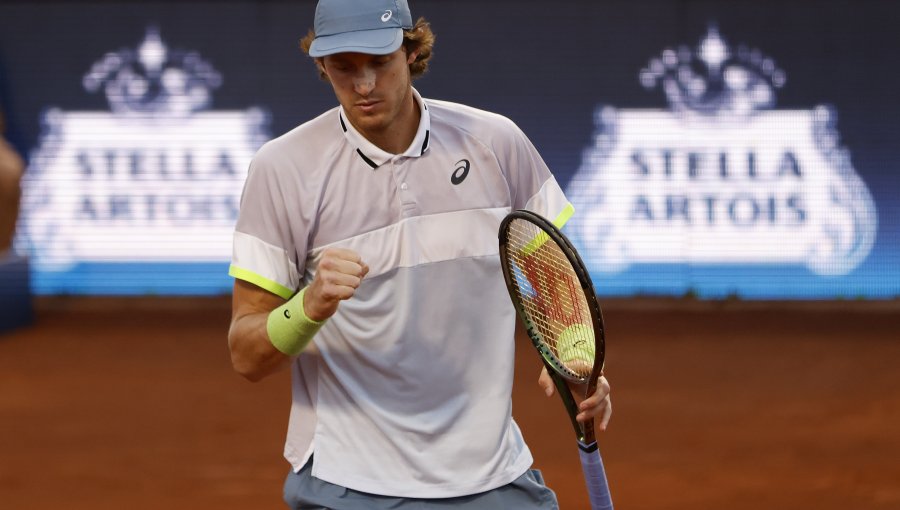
pixel 131 403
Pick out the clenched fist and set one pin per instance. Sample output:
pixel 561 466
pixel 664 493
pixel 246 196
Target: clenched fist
pixel 338 276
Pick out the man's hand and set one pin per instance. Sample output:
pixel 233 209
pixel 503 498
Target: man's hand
pixel 338 276
pixel 598 404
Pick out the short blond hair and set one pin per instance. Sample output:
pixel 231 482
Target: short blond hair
pixel 419 39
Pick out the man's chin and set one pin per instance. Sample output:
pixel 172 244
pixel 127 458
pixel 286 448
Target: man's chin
pixel 372 122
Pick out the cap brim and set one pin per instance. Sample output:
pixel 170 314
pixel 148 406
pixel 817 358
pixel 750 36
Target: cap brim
pixel 374 42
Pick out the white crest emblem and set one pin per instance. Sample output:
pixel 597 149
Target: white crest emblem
pixel 721 177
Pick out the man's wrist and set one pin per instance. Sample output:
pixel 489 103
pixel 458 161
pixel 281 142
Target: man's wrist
pixel 289 328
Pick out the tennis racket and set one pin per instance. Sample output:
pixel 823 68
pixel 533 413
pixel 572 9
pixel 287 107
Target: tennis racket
pixel 554 297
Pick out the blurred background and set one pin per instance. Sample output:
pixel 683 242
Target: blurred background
pixel 733 165
pixel 709 147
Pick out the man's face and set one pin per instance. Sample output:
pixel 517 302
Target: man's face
pixel 375 90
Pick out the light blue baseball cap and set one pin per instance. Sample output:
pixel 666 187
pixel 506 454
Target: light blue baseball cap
pixel 360 26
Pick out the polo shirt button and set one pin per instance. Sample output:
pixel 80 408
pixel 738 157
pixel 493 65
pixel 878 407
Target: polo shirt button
pixel 404 186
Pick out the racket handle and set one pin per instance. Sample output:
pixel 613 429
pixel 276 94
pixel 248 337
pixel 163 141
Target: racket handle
pixel 595 477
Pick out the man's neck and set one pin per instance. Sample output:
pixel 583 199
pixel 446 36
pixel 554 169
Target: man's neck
pixel 397 137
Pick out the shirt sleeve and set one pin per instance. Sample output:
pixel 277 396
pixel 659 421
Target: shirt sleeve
pixel 265 253
pixel 532 185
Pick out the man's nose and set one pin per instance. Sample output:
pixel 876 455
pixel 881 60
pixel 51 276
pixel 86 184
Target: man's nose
pixel 364 81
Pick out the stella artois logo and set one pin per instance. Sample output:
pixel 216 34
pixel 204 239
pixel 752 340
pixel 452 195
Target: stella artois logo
pixel 720 177
pixel 156 178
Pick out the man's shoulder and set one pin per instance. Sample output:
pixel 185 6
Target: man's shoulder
pixel 306 141
pixel 465 116
pixel 491 129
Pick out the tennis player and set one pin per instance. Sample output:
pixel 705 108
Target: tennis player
pixel 11 169
pixel 366 262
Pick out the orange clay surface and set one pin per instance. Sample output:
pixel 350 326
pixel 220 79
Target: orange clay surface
pixel 132 403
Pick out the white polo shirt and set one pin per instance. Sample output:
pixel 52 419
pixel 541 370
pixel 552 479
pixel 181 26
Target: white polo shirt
pixel 406 391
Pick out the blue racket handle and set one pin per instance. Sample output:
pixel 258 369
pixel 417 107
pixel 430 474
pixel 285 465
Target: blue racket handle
pixel 595 477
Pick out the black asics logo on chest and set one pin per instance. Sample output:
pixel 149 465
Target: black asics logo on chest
pixel 460 172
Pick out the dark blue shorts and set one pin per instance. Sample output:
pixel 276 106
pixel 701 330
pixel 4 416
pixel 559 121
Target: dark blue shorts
pixel 304 492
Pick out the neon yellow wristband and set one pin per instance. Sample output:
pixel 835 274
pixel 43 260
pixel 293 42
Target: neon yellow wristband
pixel 289 329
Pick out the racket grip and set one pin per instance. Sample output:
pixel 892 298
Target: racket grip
pixel 595 477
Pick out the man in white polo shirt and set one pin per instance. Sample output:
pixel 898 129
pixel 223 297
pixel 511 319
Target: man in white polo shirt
pixel 366 261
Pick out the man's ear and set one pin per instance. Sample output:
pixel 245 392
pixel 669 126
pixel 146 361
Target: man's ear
pixel 412 57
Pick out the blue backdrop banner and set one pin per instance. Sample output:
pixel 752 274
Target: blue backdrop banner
pixel 714 149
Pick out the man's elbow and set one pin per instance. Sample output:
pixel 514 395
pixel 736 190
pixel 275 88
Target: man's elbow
pixel 244 363
pixel 248 371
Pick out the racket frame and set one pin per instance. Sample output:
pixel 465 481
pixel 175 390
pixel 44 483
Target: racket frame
pixel 583 431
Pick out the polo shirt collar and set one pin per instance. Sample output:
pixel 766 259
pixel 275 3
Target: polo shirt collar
pixel 375 156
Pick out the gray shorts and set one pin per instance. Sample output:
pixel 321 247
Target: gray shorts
pixel 304 492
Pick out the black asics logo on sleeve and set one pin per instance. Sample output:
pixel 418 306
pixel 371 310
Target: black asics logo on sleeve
pixel 461 171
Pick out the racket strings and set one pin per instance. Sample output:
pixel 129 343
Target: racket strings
pixel 550 293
